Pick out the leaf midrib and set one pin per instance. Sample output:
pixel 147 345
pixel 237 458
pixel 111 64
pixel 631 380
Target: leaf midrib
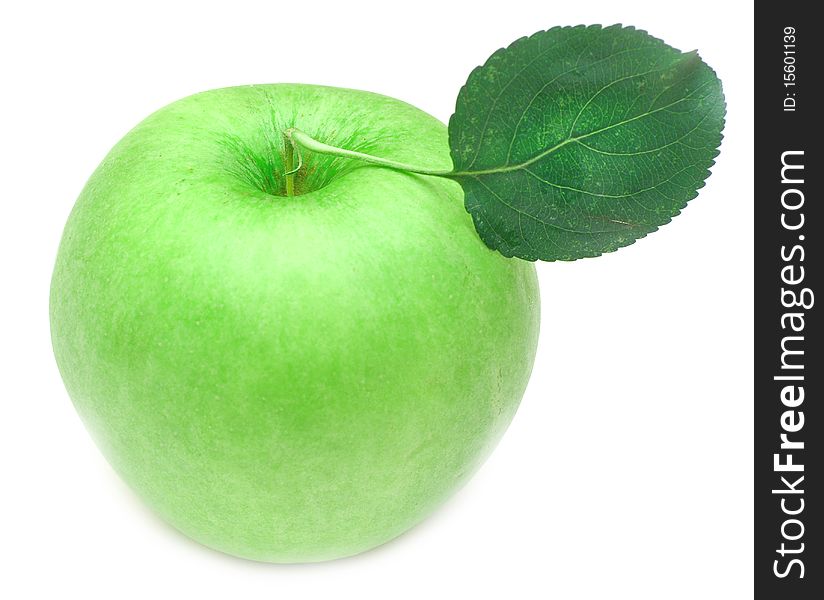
pixel 570 140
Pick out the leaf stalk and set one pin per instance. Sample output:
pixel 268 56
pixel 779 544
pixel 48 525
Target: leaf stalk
pixel 296 137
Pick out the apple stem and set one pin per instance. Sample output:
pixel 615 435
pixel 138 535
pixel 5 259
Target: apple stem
pixel 289 164
pixel 299 138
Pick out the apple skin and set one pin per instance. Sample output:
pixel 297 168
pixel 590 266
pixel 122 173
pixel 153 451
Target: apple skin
pixel 288 379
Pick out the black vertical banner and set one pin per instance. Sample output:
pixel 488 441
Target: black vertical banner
pixel 789 223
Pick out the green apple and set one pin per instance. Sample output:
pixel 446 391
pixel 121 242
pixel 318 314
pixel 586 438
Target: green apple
pixel 288 378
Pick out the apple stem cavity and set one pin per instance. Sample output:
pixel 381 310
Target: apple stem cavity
pixel 299 139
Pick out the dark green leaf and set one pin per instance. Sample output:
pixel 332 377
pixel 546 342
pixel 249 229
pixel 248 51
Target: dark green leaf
pixel 580 140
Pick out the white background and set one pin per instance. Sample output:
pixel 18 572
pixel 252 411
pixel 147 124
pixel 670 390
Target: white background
pixel 627 472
